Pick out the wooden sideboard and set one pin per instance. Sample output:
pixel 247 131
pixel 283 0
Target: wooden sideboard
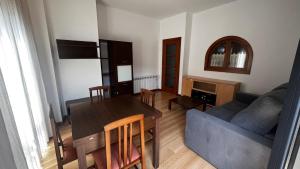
pixel 223 90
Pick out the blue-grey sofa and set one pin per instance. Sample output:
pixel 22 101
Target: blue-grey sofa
pixel 239 134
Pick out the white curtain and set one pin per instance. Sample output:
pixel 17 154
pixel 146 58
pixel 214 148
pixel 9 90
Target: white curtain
pixel 22 81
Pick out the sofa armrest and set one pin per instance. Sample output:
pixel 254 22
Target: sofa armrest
pixel 223 144
pixel 247 98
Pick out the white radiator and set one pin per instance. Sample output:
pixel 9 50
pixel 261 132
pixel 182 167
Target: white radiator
pixel 146 82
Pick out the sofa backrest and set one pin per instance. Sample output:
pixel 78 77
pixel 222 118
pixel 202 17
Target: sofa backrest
pixel 262 115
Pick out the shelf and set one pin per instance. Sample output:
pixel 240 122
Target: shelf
pixel 70 49
pixel 82 46
pixel 204 91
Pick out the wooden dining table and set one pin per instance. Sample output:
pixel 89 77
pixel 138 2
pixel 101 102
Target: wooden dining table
pixel 88 121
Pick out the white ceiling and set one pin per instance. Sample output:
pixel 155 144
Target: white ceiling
pixel 163 8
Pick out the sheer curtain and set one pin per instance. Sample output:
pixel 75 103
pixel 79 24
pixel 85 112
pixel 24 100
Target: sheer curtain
pixel 21 79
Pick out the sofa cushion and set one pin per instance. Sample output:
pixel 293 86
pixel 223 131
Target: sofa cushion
pixel 278 94
pixel 224 145
pixel 227 111
pixel 262 115
pixel 282 86
pixel 246 98
pixel 271 134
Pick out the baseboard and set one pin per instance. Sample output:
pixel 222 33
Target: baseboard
pixel 154 90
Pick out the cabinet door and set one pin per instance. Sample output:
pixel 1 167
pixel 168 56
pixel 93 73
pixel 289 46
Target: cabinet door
pixel 122 88
pixel 187 85
pixel 225 94
pixel 121 52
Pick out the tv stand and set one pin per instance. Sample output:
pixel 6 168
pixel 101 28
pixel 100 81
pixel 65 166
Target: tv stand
pixel 223 90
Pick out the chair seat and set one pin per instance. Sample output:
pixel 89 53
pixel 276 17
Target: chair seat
pixel 69 152
pixel 100 157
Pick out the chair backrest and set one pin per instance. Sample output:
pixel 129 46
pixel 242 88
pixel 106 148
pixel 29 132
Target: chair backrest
pixel 147 96
pixel 56 139
pixel 123 124
pixel 100 90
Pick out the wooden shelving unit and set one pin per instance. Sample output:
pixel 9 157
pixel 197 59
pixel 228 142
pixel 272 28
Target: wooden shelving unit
pixel 223 89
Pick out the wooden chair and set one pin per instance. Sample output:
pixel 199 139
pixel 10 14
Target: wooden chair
pixel 121 154
pixel 66 146
pixel 147 96
pixel 100 92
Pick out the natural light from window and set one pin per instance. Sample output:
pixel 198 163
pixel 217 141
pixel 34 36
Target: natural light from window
pixel 11 49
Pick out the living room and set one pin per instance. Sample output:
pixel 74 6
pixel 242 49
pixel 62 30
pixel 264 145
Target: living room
pixel 218 72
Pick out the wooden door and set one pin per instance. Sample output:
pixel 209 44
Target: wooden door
pixel 170 64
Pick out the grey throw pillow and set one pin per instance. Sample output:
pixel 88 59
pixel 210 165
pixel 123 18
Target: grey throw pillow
pixel 260 116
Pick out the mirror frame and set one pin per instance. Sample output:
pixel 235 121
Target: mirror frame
pixel 225 68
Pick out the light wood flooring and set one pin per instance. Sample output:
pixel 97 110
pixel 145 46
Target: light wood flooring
pixel 173 153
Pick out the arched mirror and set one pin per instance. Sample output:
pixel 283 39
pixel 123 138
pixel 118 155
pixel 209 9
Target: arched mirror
pixel 229 54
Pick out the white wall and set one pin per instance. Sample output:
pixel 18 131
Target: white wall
pixel 172 27
pixel 142 31
pixel 75 20
pixel 41 37
pixel 272 27
pixel 188 32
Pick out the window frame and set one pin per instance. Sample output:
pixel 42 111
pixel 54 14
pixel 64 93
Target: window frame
pixel 227 40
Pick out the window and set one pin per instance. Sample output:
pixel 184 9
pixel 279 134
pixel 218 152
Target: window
pixel 229 54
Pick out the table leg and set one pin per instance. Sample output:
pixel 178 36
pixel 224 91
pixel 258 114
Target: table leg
pixel 81 157
pixel 156 144
pixel 204 107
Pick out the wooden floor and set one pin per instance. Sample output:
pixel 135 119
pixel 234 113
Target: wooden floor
pixel 173 153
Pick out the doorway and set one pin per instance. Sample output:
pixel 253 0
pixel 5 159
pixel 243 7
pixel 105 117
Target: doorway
pixel 170 64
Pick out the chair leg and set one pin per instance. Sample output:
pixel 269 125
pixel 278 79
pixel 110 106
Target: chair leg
pixel 93 167
pixel 69 115
pixel 150 131
pixel 59 165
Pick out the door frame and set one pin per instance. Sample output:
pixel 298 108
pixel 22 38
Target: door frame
pixel 176 41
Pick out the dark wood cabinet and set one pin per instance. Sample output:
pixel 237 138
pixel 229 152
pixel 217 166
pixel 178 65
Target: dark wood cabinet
pixel 116 55
pixel 122 88
pixel 121 52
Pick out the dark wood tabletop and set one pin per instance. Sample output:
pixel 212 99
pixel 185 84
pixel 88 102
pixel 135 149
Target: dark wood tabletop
pixel 187 102
pixel 90 118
